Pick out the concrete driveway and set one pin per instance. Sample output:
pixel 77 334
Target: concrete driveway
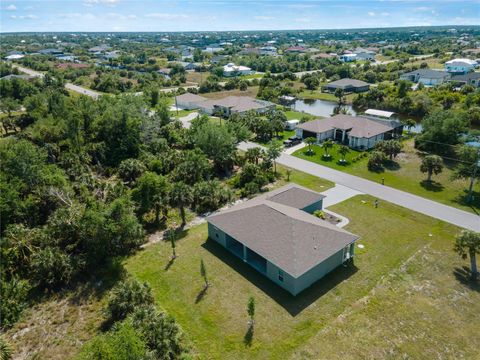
pixel 413 202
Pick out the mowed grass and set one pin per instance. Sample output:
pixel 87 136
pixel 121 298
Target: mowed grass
pixel 319 95
pixel 404 175
pixel 403 280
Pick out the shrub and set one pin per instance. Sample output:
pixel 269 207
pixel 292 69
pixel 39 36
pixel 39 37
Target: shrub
pixel 375 161
pixel 162 334
pixel 51 268
pixel 320 214
pixel 125 297
pixel 14 300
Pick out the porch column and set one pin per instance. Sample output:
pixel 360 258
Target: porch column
pixel 244 252
pixel 343 135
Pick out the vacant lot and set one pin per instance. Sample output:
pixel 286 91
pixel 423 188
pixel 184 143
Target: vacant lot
pixel 404 174
pixel 406 296
pixel 251 91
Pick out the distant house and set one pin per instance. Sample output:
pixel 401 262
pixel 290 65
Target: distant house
pixel 364 54
pixel 348 57
pixel 268 50
pixel 355 131
pixel 278 236
pixel 217 58
pixel 471 78
pixel 296 49
pixel 14 57
pixel 188 66
pixel 347 85
pixel 234 70
pixel 51 52
pixel 165 72
pixel 426 76
pixel 99 48
pixel 460 66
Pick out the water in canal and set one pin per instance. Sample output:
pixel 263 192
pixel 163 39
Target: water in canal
pixel 322 108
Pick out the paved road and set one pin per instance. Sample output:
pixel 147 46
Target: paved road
pixel 82 90
pixel 413 202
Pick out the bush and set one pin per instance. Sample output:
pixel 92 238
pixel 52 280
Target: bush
pixel 125 297
pixel 51 268
pixel 123 343
pixel 14 300
pixel 375 161
pixel 161 333
pixel 320 214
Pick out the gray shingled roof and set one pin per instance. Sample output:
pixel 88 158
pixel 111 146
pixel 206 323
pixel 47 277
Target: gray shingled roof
pixel 342 83
pixel 428 73
pixel 466 77
pixel 189 97
pixel 290 238
pixel 361 127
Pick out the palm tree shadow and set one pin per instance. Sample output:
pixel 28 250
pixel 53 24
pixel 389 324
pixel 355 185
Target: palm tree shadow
pixel 201 295
pixel 169 264
pixel 464 276
pixel 431 185
pixel 248 338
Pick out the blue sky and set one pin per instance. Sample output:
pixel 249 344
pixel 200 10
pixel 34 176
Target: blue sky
pixel 164 15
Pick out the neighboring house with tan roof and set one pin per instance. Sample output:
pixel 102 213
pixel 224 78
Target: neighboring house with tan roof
pixel 189 101
pixel 277 234
pixel 225 106
pixel 355 131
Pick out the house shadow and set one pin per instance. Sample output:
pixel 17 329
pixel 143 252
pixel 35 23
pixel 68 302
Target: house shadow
pixel 293 304
pixel 431 185
pixel 463 275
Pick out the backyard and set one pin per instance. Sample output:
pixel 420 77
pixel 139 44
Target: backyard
pixel 403 174
pixel 406 270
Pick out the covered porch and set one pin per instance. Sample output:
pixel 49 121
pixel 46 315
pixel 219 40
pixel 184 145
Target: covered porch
pixel 247 255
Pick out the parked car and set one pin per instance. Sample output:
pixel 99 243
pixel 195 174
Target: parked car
pixel 292 141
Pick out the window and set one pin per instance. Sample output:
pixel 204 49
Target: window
pixel 280 275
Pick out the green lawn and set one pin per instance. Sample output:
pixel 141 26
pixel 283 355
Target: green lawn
pixel 319 95
pixel 405 175
pixel 291 115
pixel 401 300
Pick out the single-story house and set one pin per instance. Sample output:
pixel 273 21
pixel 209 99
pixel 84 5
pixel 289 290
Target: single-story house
pixel 348 57
pixel 291 124
pixel 276 234
pixel 460 66
pixel 14 57
pixel 233 70
pixel 189 101
pixel 165 72
pixel 471 78
pixel 99 48
pixel 364 54
pixel 385 117
pixel 347 85
pixel 51 52
pixel 355 131
pixel 426 76
pixel 296 49
pixel 235 104
pixel 72 65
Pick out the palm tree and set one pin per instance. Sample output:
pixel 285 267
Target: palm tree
pixel 274 150
pixel 431 164
pixel 343 150
pixel 251 309
pixel 253 155
pixel 310 141
pixel 468 243
pixel 203 273
pixel 327 144
pixel 181 196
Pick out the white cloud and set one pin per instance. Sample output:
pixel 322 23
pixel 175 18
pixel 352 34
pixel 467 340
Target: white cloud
pixel 260 17
pixel 385 13
pixel 371 13
pixel 166 16
pixel 303 19
pixel 87 16
pixel 422 8
pixel 300 6
pixel 11 7
pixel 90 3
pixel 24 17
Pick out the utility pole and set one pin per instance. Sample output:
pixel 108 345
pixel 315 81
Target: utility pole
pixel 472 181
